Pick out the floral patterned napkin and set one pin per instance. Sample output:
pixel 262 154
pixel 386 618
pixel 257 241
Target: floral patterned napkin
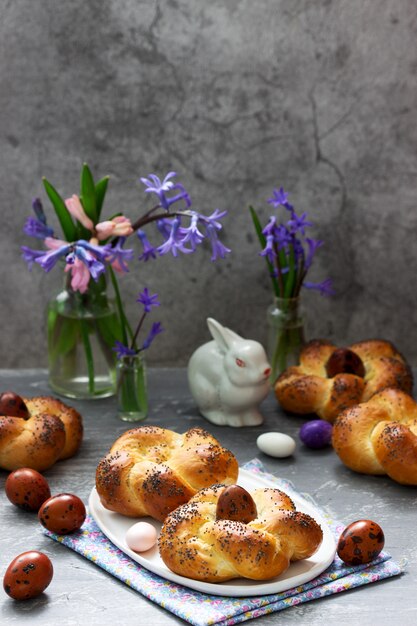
pixel 205 610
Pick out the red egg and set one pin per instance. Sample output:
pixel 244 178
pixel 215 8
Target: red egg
pixel 235 503
pixel 62 514
pixel 13 405
pixel 27 489
pixel 360 542
pixel 28 575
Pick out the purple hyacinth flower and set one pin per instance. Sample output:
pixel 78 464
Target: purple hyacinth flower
pixel 154 185
pixel 174 243
pixel 148 300
pixel 100 252
pixel 191 234
pixel 38 209
pixel 298 223
pixel 325 287
pixel 217 248
pixel 149 252
pixel 269 250
pixel 36 228
pixel 282 236
pixel 30 255
pixel 270 227
pixel 164 227
pixel 94 266
pixel 117 254
pixel 122 350
pixel 155 330
pixel 49 259
pixel 279 198
pixel 313 245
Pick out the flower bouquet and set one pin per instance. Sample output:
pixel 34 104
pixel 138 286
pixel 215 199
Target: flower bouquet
pixel 84 323
pixel 289 255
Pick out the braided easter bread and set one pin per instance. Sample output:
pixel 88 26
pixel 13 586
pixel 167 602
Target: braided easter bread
pixel 151 470
pixel 197 541
pixel 330 379
pixel 380 436
pixel 37 432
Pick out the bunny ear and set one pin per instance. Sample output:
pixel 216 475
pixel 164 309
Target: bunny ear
pixel 224 337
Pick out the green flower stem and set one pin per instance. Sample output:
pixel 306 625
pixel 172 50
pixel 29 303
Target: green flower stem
pixel 289 285
pixel 124 323
pixel 262 241
pixel 88 354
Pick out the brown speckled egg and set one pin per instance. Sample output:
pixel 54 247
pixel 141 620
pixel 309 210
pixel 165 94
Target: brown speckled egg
pixel 13 405
pixel 62 514
pixel 360 542
pixel 27 489
pixel 235 503
pixel 28 575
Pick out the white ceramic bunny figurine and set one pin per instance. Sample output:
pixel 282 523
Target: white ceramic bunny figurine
pixel 229 378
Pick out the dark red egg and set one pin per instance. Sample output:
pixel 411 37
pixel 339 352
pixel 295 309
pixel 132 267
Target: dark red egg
pixel 27 489
pixel 62 514
pixel 360 542
pixel 13 405
pixel 345 361
pixel 235 503
pixel 28 575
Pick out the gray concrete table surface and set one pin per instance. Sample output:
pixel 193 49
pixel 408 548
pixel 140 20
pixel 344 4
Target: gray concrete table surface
pixel 81 592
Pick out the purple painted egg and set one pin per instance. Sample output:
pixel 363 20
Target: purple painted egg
pixel 316 434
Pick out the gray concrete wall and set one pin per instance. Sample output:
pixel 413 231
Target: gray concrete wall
pixel 238 97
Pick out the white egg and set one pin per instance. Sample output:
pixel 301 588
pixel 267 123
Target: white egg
pixel 276 444
pixel 141 536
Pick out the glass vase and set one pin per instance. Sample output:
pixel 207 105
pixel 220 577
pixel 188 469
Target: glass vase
pixel 132 392
pixel 82 331
pixel 285 334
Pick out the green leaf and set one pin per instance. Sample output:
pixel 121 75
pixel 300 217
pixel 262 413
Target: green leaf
pixel 88 193
pixel 63 333
pixel 262 241
pixel 68 227
pixel 101 189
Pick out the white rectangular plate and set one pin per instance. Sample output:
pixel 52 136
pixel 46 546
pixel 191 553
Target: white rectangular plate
pixel 115 526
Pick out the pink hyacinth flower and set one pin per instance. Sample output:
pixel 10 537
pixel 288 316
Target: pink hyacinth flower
pixel 75 207
pixel 54 244
pixel 80 276
pixel 117 227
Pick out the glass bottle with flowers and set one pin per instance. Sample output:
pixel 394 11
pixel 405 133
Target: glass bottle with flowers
pixel 289 255
pixel 84 323
pixel 131 387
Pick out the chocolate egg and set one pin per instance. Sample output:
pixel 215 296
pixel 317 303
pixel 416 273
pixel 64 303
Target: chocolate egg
pixel 316 433
pixel 62 514
pixel 28 575
pixel 235 503
pixel 345 361
pixel 360 542
pixel 27 489
pixel 13 405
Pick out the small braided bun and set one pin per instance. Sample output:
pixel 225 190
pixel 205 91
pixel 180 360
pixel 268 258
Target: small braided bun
pixel 380 436
pixel 257 538
pixel 36 432
pixel 330 379
pixel 151 470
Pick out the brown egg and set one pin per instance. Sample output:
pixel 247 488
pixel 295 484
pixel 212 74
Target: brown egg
pixel 13 405
pixel 62 514
pixel 345 361
pixel 28 575
pixel 27 489
pixel 235 503
pixel 360 542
